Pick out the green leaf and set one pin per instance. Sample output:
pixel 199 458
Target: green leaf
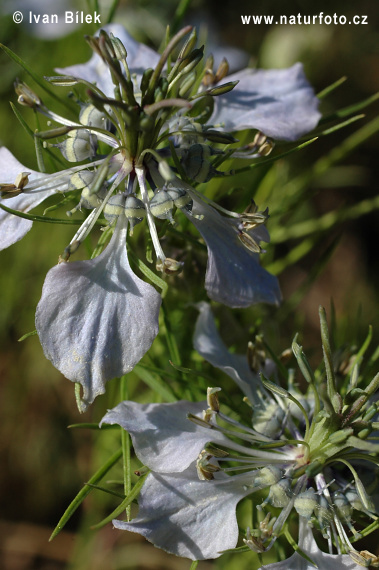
pixel 153 277
pixel 122 506
pixel 276 157
pixel 155 382
pixel 27 335
pixel 39 80
pixel 331 87
pixel 84 492
pixel 35 218
pixel 351 109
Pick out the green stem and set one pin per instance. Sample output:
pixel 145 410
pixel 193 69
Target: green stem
pixel 125 444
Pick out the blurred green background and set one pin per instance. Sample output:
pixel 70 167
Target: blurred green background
pixel 43 463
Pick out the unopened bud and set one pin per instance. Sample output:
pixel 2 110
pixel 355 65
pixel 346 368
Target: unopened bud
pixel 189 45
pixel 187 84
pixel 222 89
pixel 119 48
pixel 222 71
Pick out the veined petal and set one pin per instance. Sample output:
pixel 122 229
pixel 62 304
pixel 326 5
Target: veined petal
pixel 187 517
pixel 96 319
pixel 13 228
pixel 234 276
pixel 321 560
pixel 279 102
pixel 163 437
pixel 140 57
pixel 210 346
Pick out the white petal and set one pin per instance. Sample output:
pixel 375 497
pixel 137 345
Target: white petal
pixel 140 57
pixel 13 228
pixel 163 437
pixel 187 517
pixel 234 276
pixel 96 318
pixel 322 560
pixel 279 102
pixel 209 344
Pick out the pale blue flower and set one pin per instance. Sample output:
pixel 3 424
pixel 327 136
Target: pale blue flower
pixel 297 458
pixel 87 315
pixel 279 102
pixel 321 560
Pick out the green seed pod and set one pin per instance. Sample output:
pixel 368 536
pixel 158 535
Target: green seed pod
pixel 89 199
pixel 114 207
pixel 146 79
pixel 196 164
pixel 180 198
pixel 354 500
pixel 268 476
pixel 344 508
pixel 187 84
pixel 134 210
pixel 305 503
pixel 324 515
pixel 81 179
pixel 280 493
pixel 77 147
pixel 92 117
pixel 161 205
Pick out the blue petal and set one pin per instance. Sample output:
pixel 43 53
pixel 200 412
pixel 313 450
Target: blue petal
pixel 96 319
pixel 164 438
pixel 140 57
pixel 210 346
pixel 279 102
pixel 321 560
pixel 187 517
pixel 12 227
pixel 234 276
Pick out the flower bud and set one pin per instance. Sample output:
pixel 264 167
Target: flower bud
pixel 222 89
pixel 222 71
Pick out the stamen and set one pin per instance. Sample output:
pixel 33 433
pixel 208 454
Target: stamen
pixel 150 220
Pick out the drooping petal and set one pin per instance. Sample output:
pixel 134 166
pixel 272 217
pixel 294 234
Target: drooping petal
pixel 279 102
pixel 163 437
pixel 140 57
pixel 96 318
pixel 209 344
pixel 234 276
pixel 12 227
pixel 187 517
pixel 321 560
